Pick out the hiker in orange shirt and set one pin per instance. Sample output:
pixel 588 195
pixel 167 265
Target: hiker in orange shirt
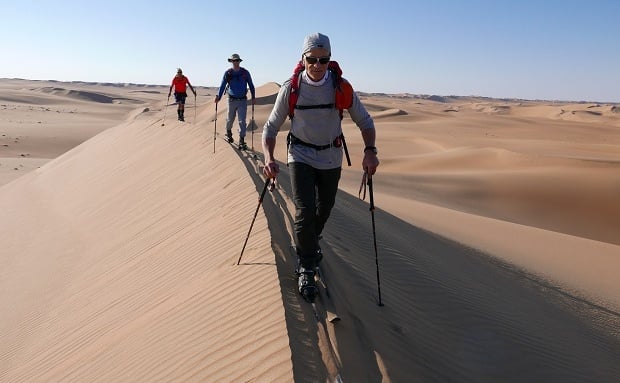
pixel 180 83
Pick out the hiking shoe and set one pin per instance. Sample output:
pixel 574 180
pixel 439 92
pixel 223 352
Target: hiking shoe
pixel 229 137
pixel 242 144
pixel 306 284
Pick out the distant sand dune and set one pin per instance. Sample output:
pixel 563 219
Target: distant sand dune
pixel 588 112
pixel 494 109
pixel 388 113
pixel 380 111
pixel 147 91
pixel 86 96
pixel 268 89
pixel 370 107
pixel 573 112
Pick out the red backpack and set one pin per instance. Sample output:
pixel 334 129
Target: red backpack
pixel 344 90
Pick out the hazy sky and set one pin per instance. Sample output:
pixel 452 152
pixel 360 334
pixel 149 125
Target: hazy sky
pixel 539 49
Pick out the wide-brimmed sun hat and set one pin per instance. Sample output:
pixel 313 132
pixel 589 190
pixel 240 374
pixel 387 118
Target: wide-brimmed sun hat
pixel 234 57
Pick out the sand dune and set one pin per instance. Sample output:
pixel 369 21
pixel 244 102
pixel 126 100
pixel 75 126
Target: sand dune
pixel 388 113
pixel 493 108
pixel 86 96
pixel 495 232
pixel 144 270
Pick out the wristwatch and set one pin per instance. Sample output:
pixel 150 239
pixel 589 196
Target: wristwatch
pixel 371 148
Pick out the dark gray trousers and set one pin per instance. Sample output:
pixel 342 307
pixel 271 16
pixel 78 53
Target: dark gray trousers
pixel 314 195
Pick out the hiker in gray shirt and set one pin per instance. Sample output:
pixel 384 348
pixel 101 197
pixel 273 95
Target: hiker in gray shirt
pixel 314 99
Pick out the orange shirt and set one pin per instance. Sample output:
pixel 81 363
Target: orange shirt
pixel 180 83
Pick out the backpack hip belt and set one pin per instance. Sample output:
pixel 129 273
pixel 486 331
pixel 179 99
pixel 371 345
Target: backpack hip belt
pixel 292 140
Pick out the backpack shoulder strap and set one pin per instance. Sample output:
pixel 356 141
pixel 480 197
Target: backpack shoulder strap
pixel 344 90
pixel 295 80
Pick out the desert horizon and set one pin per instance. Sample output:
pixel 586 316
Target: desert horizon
pixel 431 97
pixel 497 227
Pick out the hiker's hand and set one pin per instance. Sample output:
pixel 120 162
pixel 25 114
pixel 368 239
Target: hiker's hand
pixel 168 95
pixel 370 162
pixel 217 99
pixel 253 101
pixel 194 92
pixel 271 169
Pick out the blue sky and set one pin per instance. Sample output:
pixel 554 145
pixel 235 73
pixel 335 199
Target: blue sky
pixel 543 49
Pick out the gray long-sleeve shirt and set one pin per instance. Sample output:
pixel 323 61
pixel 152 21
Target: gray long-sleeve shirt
pixel 315 126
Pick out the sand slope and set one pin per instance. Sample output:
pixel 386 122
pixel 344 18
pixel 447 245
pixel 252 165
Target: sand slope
pixel 120 269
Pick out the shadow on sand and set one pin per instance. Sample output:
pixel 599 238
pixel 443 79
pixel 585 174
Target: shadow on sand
pixel 451 314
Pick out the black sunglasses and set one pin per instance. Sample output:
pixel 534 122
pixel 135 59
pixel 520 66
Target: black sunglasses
pixel 313 60
pixel 236 61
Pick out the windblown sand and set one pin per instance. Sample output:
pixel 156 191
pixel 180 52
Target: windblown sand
pixel 496 226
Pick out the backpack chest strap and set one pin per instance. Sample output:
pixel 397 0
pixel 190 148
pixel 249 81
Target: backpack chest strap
pixel 321 106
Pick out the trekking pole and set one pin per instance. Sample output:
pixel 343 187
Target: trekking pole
pixel 253 123
pixel 215 128
pixel 374 234
pixel 253 128
pixel 268 183
pixel 165 109
pixel 195 107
